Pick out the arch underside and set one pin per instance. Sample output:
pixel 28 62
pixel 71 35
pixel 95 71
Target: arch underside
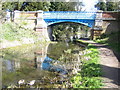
pixel 89 23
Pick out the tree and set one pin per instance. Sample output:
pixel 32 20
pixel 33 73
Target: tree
pixel 2 13
pixel 107 5
pixel 34 6
pixel 26 6
pixel 11 6
pixel 0 5
pixel 78 6
pixel 65 6
pixel 112 6
pixel 45 6
pixel 101 6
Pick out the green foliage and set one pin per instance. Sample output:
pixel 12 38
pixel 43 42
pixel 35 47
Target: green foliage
pixel 112 6
pixel 101 6
pixel 91 46
pixel 89 76
pixel 2 16
pixel 82 42
pixel 107 6
pixel 63 31
pixel 45 6
pixel 91 70
pixel 102 41
pixel 50 6
pixel 11 32
pixel 12 6
pixel 34 6
pixel 86 82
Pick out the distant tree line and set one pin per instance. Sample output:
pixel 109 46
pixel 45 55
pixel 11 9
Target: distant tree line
pixel 106 5
pixel 45 6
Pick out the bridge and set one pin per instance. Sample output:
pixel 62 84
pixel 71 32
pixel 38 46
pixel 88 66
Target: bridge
pixel 41 21
pixel 85 18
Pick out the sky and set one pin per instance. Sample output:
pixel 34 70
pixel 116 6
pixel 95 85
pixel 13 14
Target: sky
pixel 89 5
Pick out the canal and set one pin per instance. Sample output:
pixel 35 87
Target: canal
pixel 49 65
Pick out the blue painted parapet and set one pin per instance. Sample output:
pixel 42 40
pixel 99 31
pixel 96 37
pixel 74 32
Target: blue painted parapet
pixel 53 17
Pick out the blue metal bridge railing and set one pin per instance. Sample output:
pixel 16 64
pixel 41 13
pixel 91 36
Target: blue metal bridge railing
pixel 69 15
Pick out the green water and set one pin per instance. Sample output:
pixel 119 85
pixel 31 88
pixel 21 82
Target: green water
pixel 51 65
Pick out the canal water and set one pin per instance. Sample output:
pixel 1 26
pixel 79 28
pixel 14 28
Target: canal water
pixel 50 65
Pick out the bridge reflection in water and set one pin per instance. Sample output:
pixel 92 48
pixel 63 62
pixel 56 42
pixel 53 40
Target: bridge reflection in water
pixel 43 62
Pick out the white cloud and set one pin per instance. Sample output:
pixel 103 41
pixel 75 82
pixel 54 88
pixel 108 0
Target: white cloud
pixel 89 5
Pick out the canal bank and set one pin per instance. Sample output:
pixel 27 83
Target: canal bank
pixel 27 41
pixel 16 34
pixel 110 65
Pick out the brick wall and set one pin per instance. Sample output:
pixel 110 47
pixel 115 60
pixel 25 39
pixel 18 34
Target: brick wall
pixel 110 15
pixel 110 22
pixel 28 15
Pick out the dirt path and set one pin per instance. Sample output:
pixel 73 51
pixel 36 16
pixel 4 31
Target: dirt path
pixel 110 66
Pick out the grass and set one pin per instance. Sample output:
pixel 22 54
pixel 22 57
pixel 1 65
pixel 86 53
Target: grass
pixel 11 32
pixel 102 41
pixel 89 76
pixel 78 40
pixel 81 42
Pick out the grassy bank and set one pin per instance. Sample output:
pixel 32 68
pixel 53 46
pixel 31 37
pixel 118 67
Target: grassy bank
pixel 13 34
pixel 112 40
pixel 89 76
pixel 11 31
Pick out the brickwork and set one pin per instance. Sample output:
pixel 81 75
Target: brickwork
pixel 110 22
pixel 110 15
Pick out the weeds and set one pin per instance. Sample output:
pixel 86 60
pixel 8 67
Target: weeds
pixel 89 76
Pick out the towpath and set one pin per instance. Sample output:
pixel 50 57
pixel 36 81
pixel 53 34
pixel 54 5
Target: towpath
pixel 110 66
